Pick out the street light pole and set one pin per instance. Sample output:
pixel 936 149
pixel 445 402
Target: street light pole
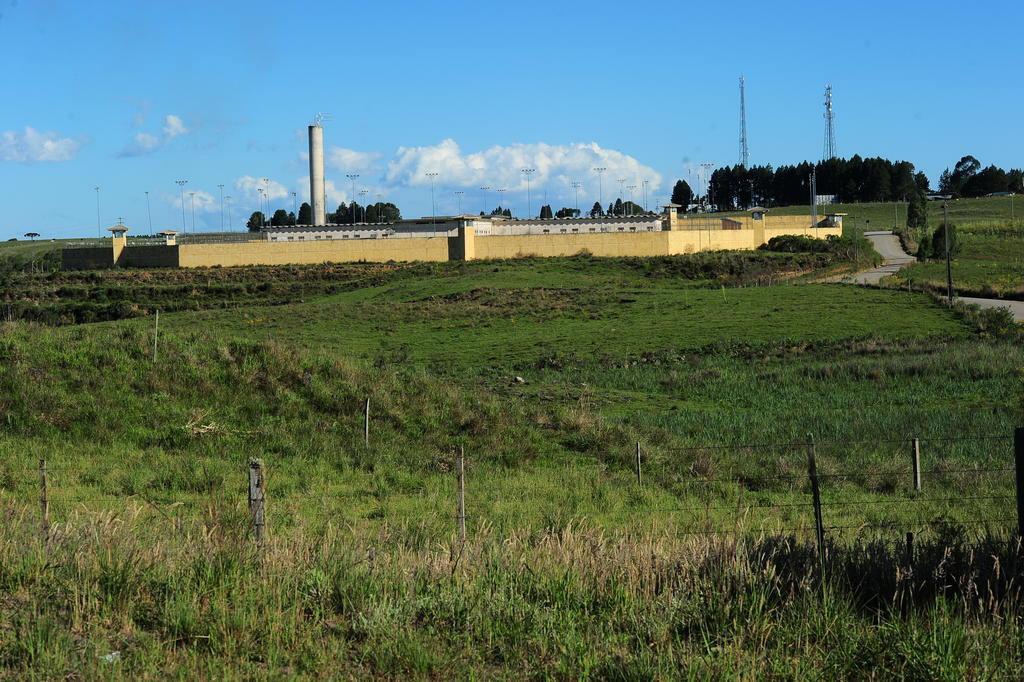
pixel 645 194
pixel 484 190
pixel 192 196
pixel 261 214
pixel 576 189
pixel 622 182
pixel 600 186
pixel 529 205
pixel 363 193
pixel 352 208
pixel 501 199
pixel 221 207
pixel 631 189
pixel 433 205
pixel 229 213
pixel 181 191
pixel 459 193
pixel 99 235
pixel 149 212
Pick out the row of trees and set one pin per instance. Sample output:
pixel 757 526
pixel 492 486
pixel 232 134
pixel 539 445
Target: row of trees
pixel 850 180
pixel 969 179
pixel 616 208
pixel 346 214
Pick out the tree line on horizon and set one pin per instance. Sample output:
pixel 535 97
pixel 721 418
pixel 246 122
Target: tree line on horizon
pixel 345 214
pixel 851 180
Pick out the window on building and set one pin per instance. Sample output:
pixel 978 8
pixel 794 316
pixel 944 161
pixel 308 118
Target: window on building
pixel 291 239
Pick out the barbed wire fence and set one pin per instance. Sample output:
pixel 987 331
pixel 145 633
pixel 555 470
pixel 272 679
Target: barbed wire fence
pixel 826 512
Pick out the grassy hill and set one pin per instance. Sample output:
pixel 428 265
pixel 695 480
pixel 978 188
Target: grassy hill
pixel 547 373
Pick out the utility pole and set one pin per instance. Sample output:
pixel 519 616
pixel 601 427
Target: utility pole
pixel 221 207
pixel 949 266
pixel 744 149
pixel 149 212
pixel 99 234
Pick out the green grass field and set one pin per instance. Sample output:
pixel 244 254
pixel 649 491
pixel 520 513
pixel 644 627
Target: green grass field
pixel 990 264
pixel 547 373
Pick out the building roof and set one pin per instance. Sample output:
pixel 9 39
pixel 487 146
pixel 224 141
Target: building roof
pixel 120 228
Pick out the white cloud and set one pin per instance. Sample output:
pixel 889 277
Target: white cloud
pixel 146 143
pixel 557 167
pixel 335 194
pixel 205 202
pixel 31 145
pixel 350 160
pixel 248 187
pixel 173 127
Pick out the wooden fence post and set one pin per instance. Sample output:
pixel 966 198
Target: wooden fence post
pixel 366 424
pixel 1018 465
pixel 156 332
pixel 460 471
pixel 915 455
pixel 257 498
pixel 639 475
pixel 44 501
pixel 819 526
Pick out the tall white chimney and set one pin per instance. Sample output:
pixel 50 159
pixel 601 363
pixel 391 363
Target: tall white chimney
pixel 316 174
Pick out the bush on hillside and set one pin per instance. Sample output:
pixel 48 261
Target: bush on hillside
pixel 845 247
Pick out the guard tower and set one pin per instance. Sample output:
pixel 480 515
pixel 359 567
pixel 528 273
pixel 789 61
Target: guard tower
pixel 119 240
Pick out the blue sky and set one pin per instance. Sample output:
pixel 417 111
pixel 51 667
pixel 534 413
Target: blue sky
pixel 132 96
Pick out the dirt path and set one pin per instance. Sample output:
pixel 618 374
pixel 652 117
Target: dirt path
pixel 895 258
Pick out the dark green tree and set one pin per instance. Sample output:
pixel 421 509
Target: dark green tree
pixel 938 242
pixel 924 247
pixel 256 221
pixel 280 218
pixel 596 211
pixel 682 194
pixel 917 211
pixel 921 181
pixel 566 212
pixel 305 214
pixel 546 213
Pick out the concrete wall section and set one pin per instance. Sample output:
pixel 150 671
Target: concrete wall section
pixel 607 244
pixel 88 258
pixel 295 253
pixel 149 257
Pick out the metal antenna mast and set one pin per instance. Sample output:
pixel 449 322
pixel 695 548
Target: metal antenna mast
pixel 830 128
pixel 744 149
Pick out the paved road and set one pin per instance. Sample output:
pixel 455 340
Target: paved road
pixel 895 258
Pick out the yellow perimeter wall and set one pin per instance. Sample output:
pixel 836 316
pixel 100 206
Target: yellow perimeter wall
pixel 294 253
pixel 632 243
pixel 467 246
